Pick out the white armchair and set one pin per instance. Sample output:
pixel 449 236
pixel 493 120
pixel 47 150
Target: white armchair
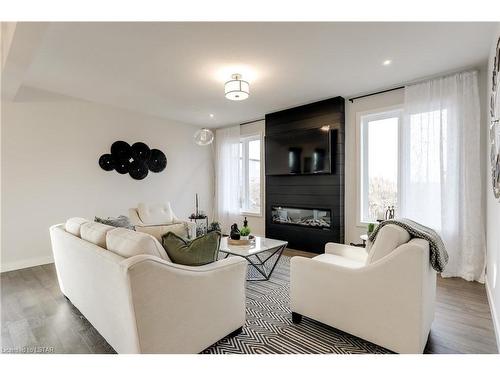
pixel 158 219
pixel 386 296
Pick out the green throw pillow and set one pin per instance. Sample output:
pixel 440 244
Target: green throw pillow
pixel 202 250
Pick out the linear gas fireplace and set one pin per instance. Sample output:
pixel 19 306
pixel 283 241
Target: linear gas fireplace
pixel 307 217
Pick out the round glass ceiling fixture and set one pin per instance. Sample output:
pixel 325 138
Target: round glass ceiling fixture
pixel 237 89
pixel 204 137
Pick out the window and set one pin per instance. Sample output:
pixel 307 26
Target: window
pixel 250 181
pixel 379 164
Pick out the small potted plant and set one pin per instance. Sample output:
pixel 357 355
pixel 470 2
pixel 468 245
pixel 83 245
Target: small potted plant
pixel 370 229
pixel 245 232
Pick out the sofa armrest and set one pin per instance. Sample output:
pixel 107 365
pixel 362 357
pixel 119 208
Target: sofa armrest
pixel 182 309
pixel 230 262
pixel 351 252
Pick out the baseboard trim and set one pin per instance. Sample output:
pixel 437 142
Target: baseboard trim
pixel 32 262
pixel 494 315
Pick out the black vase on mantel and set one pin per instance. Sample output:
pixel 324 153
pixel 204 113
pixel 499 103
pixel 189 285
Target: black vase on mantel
pixel 294 160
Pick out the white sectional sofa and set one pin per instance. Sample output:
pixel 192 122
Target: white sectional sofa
pixel 385 296
pixel 123 282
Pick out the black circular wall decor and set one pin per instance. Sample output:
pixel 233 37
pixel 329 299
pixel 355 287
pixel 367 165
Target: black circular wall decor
pixel 122 166
pixel 157 161
pixel 136 160
pixel 141 151
pixel 120 150
pixel 138 170
pixel 107 162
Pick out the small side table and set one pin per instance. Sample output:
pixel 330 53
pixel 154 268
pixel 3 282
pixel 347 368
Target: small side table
pixel 201 224
pixel 364 238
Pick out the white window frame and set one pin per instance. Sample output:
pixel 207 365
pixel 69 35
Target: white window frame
pixel 362 155
pixel 245 139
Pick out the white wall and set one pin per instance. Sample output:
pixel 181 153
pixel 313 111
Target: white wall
pixel 375 102
pixel 50 171
pixel 492 217
pixel 257 222
pixel 7 32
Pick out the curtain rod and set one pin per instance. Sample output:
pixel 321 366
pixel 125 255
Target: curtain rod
pixel 249 122
pixel 471 69
pixel 376 93
pixel 436 76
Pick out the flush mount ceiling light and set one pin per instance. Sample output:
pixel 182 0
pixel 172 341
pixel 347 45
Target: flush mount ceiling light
pixel 204 137
pixel 387 62
pixel 237 89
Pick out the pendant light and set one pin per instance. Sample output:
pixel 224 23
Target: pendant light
pixel 204 137
pixel 236 88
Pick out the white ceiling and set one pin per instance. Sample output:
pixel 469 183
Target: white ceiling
pixel 177 70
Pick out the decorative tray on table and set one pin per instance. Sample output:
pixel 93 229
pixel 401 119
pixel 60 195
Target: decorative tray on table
pixel 250 241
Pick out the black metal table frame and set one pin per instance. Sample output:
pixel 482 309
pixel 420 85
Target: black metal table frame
pixel 260 266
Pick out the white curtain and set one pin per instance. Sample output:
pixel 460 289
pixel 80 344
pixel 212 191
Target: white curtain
pixel 441 183
pixel 227 157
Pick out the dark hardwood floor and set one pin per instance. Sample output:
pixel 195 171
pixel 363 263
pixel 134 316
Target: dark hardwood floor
pixel 36 317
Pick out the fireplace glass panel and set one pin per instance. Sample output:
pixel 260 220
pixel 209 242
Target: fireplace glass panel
pixel 307 217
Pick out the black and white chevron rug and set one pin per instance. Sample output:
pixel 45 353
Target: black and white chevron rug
pixel 269 328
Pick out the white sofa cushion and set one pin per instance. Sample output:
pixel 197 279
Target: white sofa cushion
pixel 95 233
pixel 388 238
pixel 155 213
pixel 128 243
pixel 73 225
pixel 356 253
pixel 339 260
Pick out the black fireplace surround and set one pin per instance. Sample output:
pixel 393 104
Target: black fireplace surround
pixel 307 210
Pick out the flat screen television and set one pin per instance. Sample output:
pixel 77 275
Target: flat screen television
pixel 300 152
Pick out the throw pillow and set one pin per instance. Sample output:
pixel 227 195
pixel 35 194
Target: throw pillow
pixel 202 250
pixel 119 222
